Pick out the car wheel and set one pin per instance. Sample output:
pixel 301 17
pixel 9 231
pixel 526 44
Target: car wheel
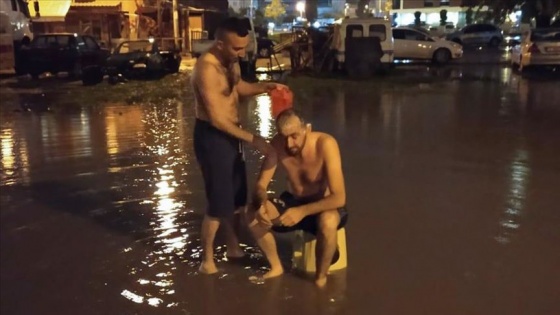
pixel 494 42
pixel 514 66
pixel 442 56
pixel 175 66
pixel 92 76
pixel 264 52
pixel 524 69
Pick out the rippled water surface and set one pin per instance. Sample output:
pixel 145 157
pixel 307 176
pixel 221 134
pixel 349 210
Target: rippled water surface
pixel 453 189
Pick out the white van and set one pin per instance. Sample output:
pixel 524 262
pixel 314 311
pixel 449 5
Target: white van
pixel 364 27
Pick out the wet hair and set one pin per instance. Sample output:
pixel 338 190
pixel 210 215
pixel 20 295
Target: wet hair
pixel 285 115
pixel 232 25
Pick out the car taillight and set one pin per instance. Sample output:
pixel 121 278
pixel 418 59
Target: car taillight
pixel 534 49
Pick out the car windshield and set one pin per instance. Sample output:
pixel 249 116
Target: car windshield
pixel 139 46
pixel 545 35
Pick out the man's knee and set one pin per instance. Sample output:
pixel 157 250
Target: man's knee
pixel 328 221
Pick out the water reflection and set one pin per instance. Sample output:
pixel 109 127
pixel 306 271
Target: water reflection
pixel 515 198
pixel 122 123
pixel 169 236
pixel 14 158
pixel 264 116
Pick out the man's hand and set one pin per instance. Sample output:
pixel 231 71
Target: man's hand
pixel 271 86
pixel 291 217
pixel 260 195
pixel 260 144
pixel 262 217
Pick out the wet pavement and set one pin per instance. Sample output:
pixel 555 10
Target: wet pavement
pixel 452 180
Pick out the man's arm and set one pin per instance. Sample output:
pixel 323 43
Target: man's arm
pixel 268 168
pixel 211 84
pixel 246 89
pixel 333 165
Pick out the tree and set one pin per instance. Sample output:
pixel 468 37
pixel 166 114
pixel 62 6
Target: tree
pixel 417 16
pixel 361 8
pixel 542 10
pixel 311 10
pixel 469 16
pixel 258 18
pixel 443 17
pixel 274 10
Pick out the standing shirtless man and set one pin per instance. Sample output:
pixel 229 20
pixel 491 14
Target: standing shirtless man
pixel 315 198
pixel 218 137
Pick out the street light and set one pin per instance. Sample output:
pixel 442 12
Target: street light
pixel 300 6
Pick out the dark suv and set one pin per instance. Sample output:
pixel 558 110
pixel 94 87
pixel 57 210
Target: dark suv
pixel 61 52
pixel 477 34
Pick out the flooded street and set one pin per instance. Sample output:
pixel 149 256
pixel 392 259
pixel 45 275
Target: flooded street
pixel 452 178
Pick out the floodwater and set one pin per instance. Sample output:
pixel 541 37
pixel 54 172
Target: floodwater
pixel 453 191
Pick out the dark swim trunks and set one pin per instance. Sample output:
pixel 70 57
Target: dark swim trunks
pixel 221 161
pixel 310 222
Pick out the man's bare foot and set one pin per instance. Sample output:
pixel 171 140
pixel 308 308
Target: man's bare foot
pixel 273 273
pixel 321 282
pixel 207 268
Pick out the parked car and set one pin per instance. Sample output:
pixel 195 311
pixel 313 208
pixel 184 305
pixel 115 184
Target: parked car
pixel 265 47
pixel 539 47
pixel 477 34
pixel 142 57
pixel 413 44
pixel 62 52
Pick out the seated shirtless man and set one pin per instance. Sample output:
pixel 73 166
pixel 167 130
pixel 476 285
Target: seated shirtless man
pixel 315 198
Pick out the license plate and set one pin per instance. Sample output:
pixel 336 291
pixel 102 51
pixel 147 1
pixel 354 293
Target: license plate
pixel 553 49
pixel 139 66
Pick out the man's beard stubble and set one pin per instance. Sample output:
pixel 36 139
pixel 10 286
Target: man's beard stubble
pixel 298 149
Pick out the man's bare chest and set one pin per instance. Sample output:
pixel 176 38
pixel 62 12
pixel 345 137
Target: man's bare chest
pixel 305 172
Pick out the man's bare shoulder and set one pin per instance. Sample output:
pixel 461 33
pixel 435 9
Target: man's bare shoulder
pixel 205 64
pixel 325 142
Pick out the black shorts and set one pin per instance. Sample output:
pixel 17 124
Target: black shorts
pixel 220 157
pixel 309 223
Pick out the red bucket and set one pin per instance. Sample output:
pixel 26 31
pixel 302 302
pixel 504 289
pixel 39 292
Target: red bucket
pixel 281 99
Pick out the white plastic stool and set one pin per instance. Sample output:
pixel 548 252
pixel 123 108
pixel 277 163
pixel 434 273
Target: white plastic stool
pixel 304 252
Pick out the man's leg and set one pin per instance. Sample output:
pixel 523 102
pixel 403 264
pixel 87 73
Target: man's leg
pixel 232 241
pixel 266 240
pixel 210 226
pixel 326 244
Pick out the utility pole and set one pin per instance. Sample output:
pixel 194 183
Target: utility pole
pixel 159 11
pixel 176 22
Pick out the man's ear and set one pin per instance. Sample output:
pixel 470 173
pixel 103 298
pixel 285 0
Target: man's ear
pixel 220 44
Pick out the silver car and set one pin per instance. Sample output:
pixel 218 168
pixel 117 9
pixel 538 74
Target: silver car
pixel 477 34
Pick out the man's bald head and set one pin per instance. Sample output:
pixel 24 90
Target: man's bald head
pixel 291 126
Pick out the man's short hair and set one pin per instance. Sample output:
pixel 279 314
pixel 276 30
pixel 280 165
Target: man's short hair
pixel 232 25
pixel 286 114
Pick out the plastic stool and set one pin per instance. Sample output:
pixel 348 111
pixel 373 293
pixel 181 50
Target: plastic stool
pixel 303 258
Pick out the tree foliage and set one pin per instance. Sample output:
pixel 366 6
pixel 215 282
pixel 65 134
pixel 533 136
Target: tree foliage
pixel 275 10
pixel 542 10
pixel 443 17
